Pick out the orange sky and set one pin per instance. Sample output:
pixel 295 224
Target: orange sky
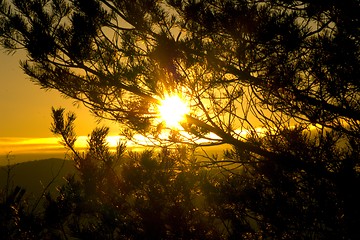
pixel 25 108
pixel 25 115
pixel 25 111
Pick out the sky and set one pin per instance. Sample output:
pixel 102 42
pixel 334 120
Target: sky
pixel 25 115
pixel 25 111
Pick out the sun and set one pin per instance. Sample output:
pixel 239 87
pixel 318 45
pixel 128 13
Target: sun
pixel 172 111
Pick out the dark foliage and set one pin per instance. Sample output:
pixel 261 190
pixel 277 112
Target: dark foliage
pixel 130 195
pixel 279 199
pixel 275 64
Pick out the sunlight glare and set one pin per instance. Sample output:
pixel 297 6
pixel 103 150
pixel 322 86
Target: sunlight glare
pixel 172 111
pixel 113 141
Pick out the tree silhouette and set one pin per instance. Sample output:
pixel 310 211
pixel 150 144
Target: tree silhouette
pixel 278 200
pixel 240 65
pixel 129 195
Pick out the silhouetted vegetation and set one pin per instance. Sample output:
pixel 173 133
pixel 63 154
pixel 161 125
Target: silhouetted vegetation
pixel 167 193
pixel 290 68
pixel 35 175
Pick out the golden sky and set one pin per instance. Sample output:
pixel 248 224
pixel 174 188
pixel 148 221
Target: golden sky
pixel 25 108
pixel 25 112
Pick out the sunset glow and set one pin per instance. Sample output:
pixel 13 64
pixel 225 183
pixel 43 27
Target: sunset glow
pixel 172 111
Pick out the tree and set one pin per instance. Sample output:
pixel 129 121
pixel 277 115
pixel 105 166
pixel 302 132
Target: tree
pixel 16 221
pixel 234 61
pixel 239 64
pixel 128 195
pixel 277 200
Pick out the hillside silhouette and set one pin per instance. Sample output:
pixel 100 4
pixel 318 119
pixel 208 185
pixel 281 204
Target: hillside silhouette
pixel 35 175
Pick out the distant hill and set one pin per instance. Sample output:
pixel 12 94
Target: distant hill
pixel 35 175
